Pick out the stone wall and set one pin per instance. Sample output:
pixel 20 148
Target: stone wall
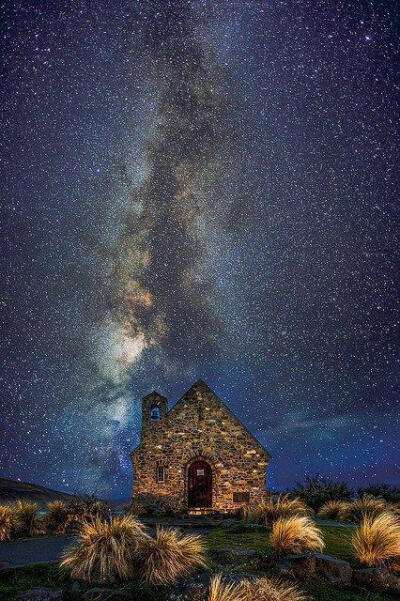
pixel 199 426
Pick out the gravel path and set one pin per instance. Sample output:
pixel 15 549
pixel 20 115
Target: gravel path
pixel 43 549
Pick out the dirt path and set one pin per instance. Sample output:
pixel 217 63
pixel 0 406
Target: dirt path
pixel 43 549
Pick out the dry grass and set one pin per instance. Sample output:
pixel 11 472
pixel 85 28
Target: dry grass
pixel 295 534
pixel 7 522
pixel 220 591
pixel 271 589
pixel 283 506
pixel 249 513
pixel 360 508
pixel 134 508
pixel 377 542
pixel 26 517
pixel 333 510
pixel 56 518
pixel 105 551
pixel 169 556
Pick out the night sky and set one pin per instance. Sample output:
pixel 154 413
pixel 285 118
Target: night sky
pixel 199 189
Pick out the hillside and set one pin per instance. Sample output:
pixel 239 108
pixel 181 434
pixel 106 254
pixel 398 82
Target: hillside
pixel 10 490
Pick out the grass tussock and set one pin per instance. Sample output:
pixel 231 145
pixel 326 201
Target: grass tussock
pixel 221 591
pixel 7 522
pixel 169 556
pixel 377 541
pixel 105 551
pixel 333 510
pixel 360 508
pixel 26 517
pixel 56 518
pixel 271 589
pixel 272 509
pixel 249 513
pixel 295 534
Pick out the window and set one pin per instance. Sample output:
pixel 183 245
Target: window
pixel 241 497
pixel 155 414
pixel 160 474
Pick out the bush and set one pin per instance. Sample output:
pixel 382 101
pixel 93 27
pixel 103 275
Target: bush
pixel 56 517
pixel 26 517
pixel 220 591
pixel 333 510
pixel 283 506
pixel 169 556
pixel 391 494
pixel 377 542
pixel 317 491
pixel 295 534
pixel 105 551
pixel 271 589
pixel 76 512
pixel 358 509
pixel 7 522
pixel 134 508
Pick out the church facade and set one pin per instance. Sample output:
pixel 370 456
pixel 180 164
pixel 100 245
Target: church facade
pixel 198 456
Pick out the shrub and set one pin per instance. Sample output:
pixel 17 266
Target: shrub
pixel 283 506
pixel 295 534
pixel 220 591
pixel 391 494
pixel 134 508
pixel 333 510
pixel 317 491
pixel 358 509
pixel 81 510
pixel 7 522
pixel 105 551
pixel 377 541
pixel 169 556
pixel 271 589
pixel 26 516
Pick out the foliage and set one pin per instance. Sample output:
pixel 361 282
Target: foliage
pixel 271 589
pixel 356 511
pixel 105 551
pixel 56 517
pixel 295 534
pixel 377 541
pixel 332 510
pixel 391 494
pixel 26 517
pixel 134 508
pixel 221 591
pixel 272 508
pixel 8 522
pixel 77 511
pixel 318 490
pixel 169 556
pixel 249 513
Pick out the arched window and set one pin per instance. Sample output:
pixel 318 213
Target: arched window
pixel 155 414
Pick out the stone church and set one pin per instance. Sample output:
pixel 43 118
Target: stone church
pixel 198 456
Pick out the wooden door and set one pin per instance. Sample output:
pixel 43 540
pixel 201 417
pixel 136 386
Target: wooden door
pixel 200 484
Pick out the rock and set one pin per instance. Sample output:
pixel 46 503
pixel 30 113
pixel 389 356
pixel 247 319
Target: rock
pixel 300 566
pixel 106 594
pixel 226 554
pixel 377 579
pixel 333 570
pixel 41 594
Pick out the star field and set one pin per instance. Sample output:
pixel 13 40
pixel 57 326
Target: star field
pixel 199 189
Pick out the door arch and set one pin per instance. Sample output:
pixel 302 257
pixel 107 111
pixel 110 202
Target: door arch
pixel 199 484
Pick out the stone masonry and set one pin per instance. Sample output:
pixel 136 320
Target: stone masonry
pixel 199 428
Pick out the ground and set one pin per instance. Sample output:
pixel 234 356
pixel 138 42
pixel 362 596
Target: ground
pixel 235 537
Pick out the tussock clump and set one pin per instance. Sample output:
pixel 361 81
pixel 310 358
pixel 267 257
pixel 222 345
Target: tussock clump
pixel 169 556
pixel 220 591
pixel 271 589
pixel 249 513
pixel 377 541
pixel 333 510
pixel 26 517
pixel 56 518
pixel 105 551
pixel 283 506
pixel 295 534
pixel 7 522
pixel 134 508
pixel 360 508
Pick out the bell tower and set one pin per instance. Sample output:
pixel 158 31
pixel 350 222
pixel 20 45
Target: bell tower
pixel 154 411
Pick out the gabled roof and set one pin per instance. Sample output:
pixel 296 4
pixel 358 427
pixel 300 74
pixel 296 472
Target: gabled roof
pixel 201 386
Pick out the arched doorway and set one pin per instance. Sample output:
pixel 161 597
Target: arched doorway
pixel 199 484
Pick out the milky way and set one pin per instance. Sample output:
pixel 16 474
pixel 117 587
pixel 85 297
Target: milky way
pixel 199 189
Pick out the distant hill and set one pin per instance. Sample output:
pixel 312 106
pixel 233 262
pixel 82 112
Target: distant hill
pixel 10 490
